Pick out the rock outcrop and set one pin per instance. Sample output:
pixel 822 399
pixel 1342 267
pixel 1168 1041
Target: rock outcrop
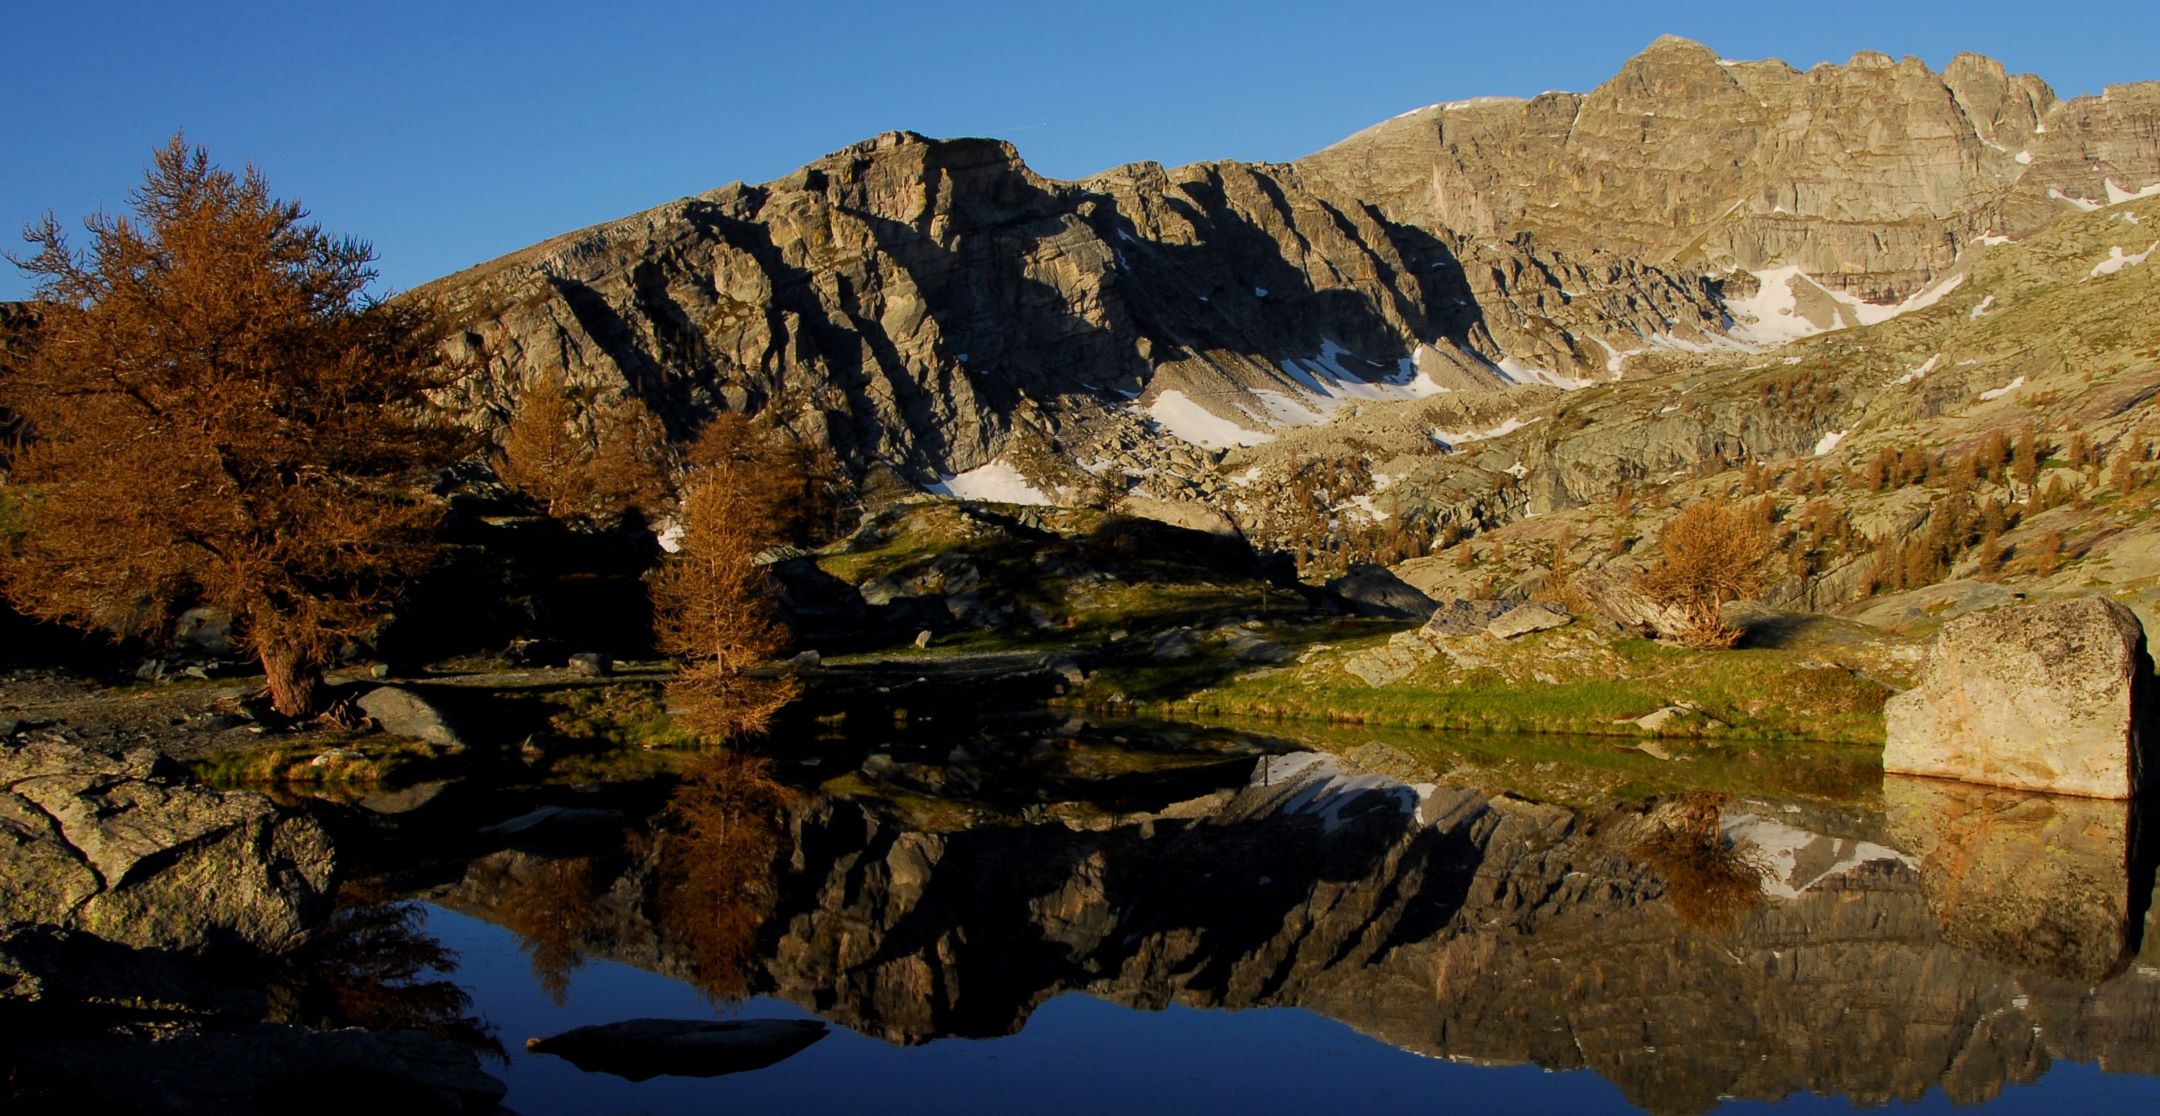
pixel 1871 177
pixel 2050 697
pixel 932 304
pixel 121 846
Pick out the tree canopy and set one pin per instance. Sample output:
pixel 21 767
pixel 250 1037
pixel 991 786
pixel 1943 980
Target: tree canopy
pixel 219 414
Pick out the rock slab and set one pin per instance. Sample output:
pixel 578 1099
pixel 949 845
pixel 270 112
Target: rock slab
pixel 120 846
pixel 2051 697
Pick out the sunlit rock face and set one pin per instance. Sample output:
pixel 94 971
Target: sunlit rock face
pixel 923 303
pixel 2049 697
pixel 1872 177
pixel 1965 941
pixel 123 846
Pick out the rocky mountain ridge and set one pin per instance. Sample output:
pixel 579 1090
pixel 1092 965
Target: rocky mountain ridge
pixel 933 308
pixel 1872 177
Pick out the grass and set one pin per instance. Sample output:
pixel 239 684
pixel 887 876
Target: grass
pixel 1547 683
pixel 621 715
pixel 377 760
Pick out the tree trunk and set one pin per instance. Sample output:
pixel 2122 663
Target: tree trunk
pixel 294 685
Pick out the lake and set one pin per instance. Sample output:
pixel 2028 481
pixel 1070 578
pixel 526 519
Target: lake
pixel 1099 918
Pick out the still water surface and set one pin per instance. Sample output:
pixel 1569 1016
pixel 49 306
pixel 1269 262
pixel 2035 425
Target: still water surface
pixel 1103 921
pixel 1078 1054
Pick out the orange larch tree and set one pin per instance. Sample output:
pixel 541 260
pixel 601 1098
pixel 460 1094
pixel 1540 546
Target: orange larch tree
pixel 219 414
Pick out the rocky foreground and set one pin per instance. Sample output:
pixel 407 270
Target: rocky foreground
pixel 165 947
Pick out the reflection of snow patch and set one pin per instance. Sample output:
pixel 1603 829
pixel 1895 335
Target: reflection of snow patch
pixel 1178 414
pixel 998 483
pixel 2116 261
pixel 1998 393
pixel 1797 860
pixel 1259 292
pixel 1829 441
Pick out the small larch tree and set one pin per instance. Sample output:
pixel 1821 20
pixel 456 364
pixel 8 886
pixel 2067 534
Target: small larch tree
pixel 713 602
pixel 592 463
pixel 1711 553
pixel 217 413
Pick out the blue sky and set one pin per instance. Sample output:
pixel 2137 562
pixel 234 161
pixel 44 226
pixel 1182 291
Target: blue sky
pixel 452 132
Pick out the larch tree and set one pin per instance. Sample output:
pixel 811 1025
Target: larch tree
pixel 713 602
pixel 219 414
pixel 1711 553
pixel 591 463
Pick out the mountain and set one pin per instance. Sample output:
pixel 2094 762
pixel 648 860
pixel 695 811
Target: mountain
pixel 1457 318
pixel 1873 177
pixel 919 303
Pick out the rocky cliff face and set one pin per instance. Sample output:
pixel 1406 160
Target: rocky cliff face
pixel 919 302
pixel 1872 177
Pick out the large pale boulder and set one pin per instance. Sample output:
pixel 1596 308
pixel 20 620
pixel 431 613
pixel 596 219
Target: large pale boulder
pixel 2050 697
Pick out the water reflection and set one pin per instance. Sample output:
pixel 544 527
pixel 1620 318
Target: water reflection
pixel 375 966
pixel 1686 949
pixel 2046 882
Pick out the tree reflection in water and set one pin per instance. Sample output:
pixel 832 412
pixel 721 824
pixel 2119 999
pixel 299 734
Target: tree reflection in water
pixel 375 966
pixel 1711 883
pixel 552 913
pixel 716 852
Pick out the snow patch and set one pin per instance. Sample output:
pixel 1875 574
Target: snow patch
pixel 1998 393
pixel 2116 195
pixel 1994 239
pixel 1921 372
pixel 1519 373
pixel 1452 439
pixel 997 483
pixel 2085 204
pixel 1985 305
pixel 2116 260
pixel 1177 413
pixel 2024 158
pixel 1829 441
pixel 1772 315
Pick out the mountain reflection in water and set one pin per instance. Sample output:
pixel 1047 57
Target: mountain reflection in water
pixel 1686 949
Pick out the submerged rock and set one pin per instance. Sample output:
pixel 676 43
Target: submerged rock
pixel 121 846
pixel 638 1049
pixel 2049 697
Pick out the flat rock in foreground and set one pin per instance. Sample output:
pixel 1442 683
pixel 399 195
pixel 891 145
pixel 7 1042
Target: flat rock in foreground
pixel 2052 697
pixel 120 846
